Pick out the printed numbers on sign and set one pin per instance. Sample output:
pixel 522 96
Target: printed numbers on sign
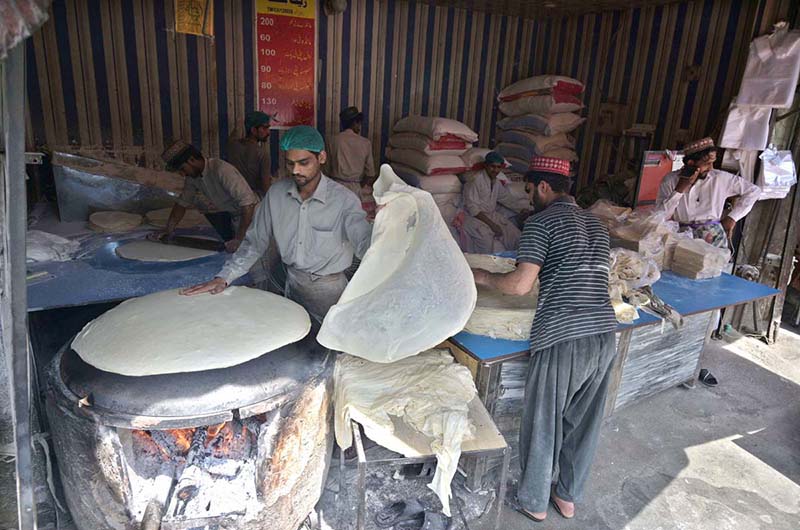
pixel 269 101
pixel 266 21
pixel 265 37
pixel 269 52
pixel 265 68
pixel 266 85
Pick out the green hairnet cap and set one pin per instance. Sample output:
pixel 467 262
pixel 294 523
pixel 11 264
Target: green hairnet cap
pixel 303 137
pixel 493 157
pixel 256 119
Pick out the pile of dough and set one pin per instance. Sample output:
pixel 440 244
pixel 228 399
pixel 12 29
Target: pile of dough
pixel 167 333
pixel 146 250
pixel 413 288
pixel 191 218
pixel 498 315
pixel 114 221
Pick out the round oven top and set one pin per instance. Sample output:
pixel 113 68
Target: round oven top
pixel 188 399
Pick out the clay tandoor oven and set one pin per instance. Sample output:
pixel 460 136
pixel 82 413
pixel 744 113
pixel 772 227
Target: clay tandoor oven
pixel 245 447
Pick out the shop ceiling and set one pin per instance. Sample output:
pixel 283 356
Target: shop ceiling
pixel 548 8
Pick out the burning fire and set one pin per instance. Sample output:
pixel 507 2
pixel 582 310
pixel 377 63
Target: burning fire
pixel 221 440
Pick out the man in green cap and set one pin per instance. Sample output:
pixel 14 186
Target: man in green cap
pixel 218 181
pixel 488 229
pixel 317 223
pixel 250 155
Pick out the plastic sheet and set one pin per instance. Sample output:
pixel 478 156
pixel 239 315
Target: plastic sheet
pixel 778 174
pixel 413 288
pixel 43 246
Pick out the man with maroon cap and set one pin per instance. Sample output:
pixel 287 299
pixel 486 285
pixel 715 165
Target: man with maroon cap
pixel 572 340
pixel 695 195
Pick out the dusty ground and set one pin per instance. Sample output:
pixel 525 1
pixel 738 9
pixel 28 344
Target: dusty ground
pixel 726 458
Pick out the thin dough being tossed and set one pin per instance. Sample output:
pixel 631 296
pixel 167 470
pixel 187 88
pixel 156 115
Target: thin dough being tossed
pixel 167 333
pixel 413 288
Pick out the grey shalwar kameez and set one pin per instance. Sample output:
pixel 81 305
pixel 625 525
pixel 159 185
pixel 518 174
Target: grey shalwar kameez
pixel 317 239
pixel 572 349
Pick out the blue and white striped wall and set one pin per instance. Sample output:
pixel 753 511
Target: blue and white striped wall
pixel 109 76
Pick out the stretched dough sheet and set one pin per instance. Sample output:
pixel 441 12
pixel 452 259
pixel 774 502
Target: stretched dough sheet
pixel 413 288
pixel 167 333
pixel 416 406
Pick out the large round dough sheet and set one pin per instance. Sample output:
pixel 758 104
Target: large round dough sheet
pixel 146 250
pixel 167 333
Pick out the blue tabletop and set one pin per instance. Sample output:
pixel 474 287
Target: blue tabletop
pixel 688 297
pixel 98 275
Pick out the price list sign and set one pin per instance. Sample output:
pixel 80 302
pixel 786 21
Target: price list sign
pixel 286 31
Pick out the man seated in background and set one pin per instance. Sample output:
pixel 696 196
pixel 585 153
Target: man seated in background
pixel 487 228
pixel 351 162
pixel 695 195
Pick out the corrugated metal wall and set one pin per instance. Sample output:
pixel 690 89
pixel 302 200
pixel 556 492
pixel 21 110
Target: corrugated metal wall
pixel 108 75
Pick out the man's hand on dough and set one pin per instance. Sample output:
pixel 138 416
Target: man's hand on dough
pixel 215 286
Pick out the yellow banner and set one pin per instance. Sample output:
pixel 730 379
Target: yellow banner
pixel 289 8
pixel 195 17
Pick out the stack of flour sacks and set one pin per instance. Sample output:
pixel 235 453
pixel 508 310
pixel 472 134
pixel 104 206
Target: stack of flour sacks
pixel 539 113
pixel 426 153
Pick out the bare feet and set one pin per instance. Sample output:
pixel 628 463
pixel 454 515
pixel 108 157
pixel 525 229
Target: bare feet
pixel 565 508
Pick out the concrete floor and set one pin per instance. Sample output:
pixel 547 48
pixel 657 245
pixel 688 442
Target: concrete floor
pixel 721 458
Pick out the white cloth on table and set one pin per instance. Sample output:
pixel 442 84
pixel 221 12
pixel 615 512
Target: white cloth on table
pixel 705 201
pixel 428 393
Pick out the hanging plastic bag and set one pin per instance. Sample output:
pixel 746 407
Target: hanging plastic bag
pixel 413 288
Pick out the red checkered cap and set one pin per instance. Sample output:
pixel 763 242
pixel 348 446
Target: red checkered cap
pixel 697 146
pixel 549 165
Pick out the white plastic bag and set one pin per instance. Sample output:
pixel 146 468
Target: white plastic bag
pixel 413 288
pixel 633 269
pixel 44 246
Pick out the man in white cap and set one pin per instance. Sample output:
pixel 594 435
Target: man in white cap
pixel 695 195
pixel 221 183
pixel 317 223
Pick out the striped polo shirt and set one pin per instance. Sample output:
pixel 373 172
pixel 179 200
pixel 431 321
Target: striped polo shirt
pixel 572 247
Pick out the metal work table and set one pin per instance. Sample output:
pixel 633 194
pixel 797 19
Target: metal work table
pixel 98 275
pixel 651 355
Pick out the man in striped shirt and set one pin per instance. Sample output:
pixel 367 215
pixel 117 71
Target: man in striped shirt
pixel 572 340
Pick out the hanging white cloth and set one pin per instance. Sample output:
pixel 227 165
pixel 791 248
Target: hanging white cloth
pixel 772 71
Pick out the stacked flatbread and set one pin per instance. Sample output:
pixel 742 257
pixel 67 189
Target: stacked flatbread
pixel 114 221
pixel 191 218
pixel 696 259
